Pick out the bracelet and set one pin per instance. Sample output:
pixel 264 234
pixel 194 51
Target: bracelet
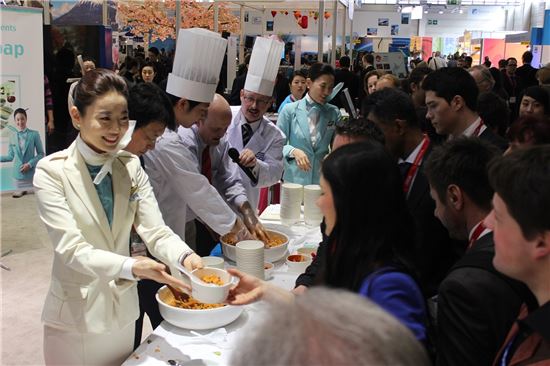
pixel 185 255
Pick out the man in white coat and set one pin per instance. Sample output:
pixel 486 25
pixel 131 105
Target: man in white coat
pixel 258 140
pixel 171 168
pixel 207 142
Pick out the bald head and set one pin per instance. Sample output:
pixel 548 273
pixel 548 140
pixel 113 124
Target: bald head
pixel 213 128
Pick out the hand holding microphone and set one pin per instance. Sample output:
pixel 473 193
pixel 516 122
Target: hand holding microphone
pixel 236 157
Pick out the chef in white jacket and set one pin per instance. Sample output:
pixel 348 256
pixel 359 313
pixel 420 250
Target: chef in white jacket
pixel 258 140
pixel 207 142
pixel 171 168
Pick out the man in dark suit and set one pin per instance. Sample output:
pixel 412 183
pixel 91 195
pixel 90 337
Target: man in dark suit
pixel 476 304
pixel 451 99
pixel 350 80
pixel 526 73
pixel 368 66
pixel 393 112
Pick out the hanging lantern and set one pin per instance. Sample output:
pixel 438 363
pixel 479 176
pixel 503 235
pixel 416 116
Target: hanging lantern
pixel 303 22
pixel 273 13
pixel 286 12
pixel 327 14
pixel 316 15
pixel 297 14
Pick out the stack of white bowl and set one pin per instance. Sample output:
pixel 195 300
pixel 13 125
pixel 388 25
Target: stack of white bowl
pixel 291 203
pixel 312 213
pixel 250 257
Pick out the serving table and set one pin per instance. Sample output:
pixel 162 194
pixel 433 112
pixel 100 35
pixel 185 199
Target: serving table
pixel 214 346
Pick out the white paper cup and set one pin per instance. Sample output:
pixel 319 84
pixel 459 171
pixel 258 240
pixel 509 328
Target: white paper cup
pixel 250 257
pixel 291 202
pixel 213 262
pixel 312 213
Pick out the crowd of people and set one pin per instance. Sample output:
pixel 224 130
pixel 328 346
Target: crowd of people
pixel 436 237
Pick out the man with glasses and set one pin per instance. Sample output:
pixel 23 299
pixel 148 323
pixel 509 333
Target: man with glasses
pixel 258 140
pixel 510 84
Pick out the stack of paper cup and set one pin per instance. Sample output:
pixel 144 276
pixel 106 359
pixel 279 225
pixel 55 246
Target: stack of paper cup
pixel 250 257
pixel 312 213
pixel 291 203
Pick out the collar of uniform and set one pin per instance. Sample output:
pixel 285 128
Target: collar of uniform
pixel 483 233
pixel 470 130
pixel 254 125
pixel 539 321
pixel 412 156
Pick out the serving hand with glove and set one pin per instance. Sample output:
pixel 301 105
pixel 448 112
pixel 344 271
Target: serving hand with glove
pixel 252 223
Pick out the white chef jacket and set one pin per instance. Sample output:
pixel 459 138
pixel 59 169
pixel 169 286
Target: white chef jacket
pixel 178 184
pixel 225 175
pixel 267 143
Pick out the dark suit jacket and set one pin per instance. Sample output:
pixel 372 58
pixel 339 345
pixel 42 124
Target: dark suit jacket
pixel 527 75
pixel 435 251
pixel 476 307
pixel 494 139
pixel 351 81
pixel 238 85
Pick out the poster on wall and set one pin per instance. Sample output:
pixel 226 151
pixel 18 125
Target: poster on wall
pixel 372 31
pixel 22 117
pixel 391 62
pixel 395 29
pixel 383 22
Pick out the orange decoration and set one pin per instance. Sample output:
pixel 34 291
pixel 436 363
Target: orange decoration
pixel 297 14
pixel 273 13
pixel 327 14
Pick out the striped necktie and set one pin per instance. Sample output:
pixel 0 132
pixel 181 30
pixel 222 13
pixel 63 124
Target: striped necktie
pixel 247 133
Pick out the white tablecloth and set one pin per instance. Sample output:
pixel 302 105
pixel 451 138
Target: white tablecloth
pixel 214 346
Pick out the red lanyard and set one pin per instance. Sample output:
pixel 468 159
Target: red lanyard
pixel 478 129
pixel 475 235
pixel 412 171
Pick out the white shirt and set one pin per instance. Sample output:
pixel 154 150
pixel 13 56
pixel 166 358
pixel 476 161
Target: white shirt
pixel 178 184
pixel 410 159
pixel 471 129
pixel 483 233
pixel 311 120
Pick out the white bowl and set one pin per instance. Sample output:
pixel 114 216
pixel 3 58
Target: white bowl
pixel 270 255
pixel 298 267
pixel 196 318
pixel 210 293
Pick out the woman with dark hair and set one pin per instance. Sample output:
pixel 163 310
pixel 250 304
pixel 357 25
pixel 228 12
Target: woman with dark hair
pixel 89 197
pixel 148 72
pixel 297 88
pixel 535 102
pixel 369 233
pixel 308 125
pixel 528 131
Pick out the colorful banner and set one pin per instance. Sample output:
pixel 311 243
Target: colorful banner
pixel 21 87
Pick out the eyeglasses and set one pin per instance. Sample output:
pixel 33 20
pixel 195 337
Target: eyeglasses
pixel 259 102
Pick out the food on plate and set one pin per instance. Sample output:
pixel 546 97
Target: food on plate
pixel 190 303
pixel 296 258
pixel 213 279
pixel 230 239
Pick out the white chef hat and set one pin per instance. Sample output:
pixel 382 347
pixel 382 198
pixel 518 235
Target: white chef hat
pixel 197 64
pixel 263 67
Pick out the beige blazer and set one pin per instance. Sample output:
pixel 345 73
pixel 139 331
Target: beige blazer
pixel 86 294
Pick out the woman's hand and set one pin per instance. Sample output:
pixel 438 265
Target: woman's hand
pixel 193 261
pixel 249 289
pixel 146 268
pixel 25 168
pixel 50 127
pixel 301 159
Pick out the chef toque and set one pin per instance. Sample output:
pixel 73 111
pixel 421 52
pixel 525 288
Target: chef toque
pixel 263 67
pixel 197 65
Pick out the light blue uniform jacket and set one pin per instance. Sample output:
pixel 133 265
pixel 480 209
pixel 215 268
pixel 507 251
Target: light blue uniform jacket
pixel 293 121
pixel 32 152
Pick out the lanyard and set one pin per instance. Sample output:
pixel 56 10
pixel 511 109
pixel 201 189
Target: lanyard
pixel 507 351
pixel 478 129
pixel 412 171
pixel 475 235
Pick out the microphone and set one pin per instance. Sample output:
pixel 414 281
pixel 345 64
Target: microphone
pixel 234 155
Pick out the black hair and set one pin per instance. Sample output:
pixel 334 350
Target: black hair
pixel 373 226
pixel 449 82
pixel 131 63
pixel 319 69
pixel 522 180
pixel 96 83
pixel 527 57
pixel 148 103
pixel 418 73
pixel 509 59
pixel 88 58
pixel 502 63
pixel 148 64
pixel 297 73
pixel 154 51
pixel 20 110
pixel 360 128
pixel 494 111
pixel 462 162
pixel 539 94
pixel 389 104
pixel 369 57
pixel 530 129
pixel 344 61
